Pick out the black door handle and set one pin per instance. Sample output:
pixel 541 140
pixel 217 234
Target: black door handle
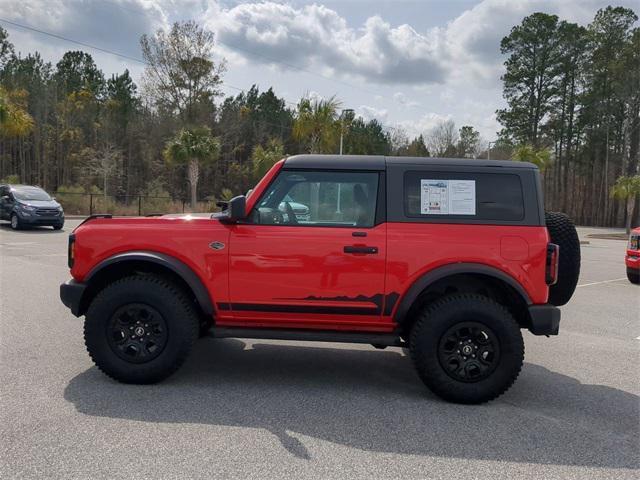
pixel 357 249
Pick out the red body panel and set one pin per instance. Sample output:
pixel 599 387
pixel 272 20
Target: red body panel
pixel 297 276
pixel 632 257
pixel 417 248
pixel 185 238
pixel 288 272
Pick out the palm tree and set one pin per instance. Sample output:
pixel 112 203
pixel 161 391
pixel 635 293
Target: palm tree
pixel 316 124
pixel 193 147
pixel 627 188
pixel 541 157
pixel 14 119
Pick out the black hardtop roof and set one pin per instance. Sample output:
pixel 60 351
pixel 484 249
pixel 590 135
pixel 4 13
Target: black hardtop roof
pixel 380 162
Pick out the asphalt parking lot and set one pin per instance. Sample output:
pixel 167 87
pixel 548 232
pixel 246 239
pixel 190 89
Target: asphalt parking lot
pixel 269 409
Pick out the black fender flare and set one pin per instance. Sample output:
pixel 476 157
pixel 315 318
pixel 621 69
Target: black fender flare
pixel 178 267
pixel 443 271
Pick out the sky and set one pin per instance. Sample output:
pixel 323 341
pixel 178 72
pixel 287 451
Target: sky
pixel 408 63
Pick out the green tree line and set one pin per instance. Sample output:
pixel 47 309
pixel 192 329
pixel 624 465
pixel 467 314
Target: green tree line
pixel 572 107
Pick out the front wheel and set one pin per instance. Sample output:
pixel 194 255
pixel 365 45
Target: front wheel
pixel 15 222
pixel 633 275
pixel 467 348
pixel 140 329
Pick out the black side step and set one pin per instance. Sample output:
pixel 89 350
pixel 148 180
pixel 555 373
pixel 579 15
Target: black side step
pixel 385 339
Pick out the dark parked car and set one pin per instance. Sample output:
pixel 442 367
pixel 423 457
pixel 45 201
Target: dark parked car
pixel 24 205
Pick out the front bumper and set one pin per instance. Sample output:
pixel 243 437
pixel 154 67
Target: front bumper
pixel 35 219
pixel 545 319
pixel 71 293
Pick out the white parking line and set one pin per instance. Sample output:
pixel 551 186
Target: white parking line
pixel 604 281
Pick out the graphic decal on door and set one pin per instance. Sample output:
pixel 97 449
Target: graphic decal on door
pixel 379 300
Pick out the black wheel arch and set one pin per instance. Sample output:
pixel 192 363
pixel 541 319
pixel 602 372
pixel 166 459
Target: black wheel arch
pixel 126 263
pixel 467 278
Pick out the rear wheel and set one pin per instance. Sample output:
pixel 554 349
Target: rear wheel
pixel 633 275
pixel 140 329
pixel 467 348
pixel 58 226
pixel 563 233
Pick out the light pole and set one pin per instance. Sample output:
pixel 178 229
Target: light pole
pixel 342 115
pixel 489 149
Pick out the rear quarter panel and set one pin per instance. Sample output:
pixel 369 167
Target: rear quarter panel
pixel 414 249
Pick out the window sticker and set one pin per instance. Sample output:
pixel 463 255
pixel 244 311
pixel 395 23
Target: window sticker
pixel 447 197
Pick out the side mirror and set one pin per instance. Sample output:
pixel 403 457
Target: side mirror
pixel 236 209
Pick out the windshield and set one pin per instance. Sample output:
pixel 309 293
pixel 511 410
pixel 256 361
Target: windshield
pixel 26 194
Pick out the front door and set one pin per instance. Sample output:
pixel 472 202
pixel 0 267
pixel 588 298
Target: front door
pixel 311 255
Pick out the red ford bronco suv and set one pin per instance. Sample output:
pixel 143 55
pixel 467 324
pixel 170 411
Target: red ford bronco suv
pixel 449 259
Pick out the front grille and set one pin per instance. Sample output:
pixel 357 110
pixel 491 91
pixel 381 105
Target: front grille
pixel 47 212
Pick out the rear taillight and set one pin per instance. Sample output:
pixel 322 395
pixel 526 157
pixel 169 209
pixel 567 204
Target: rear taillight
pixel 71 250
pixel 553 256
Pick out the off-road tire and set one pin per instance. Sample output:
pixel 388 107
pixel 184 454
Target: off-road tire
pixel 633 275
pixel 442 315
pixel 563 233
pixel 162 295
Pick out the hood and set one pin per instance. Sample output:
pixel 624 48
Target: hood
pixel 40 203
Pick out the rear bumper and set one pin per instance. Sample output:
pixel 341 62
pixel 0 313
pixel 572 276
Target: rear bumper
pixel 545 319
pixel 71 293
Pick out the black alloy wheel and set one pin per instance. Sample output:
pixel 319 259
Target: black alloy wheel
pixel 469 352
pixel 137 333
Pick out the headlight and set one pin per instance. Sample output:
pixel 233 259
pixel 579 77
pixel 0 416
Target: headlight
pixel 634 242
pixel 27 208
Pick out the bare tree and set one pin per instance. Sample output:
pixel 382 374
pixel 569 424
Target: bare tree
pixel 181 75
pixel 105 165
pixel 442 139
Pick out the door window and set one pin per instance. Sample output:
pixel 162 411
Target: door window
pixel 344 199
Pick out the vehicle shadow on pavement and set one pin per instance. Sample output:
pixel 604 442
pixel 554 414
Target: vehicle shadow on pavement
pixel 37 230
pixel 372 400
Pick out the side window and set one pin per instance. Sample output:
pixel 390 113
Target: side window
pixel 314 198
pixel 478 196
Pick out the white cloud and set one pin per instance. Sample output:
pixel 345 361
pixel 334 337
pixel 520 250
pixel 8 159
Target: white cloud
pixel 369 113
pixel 315 37
pixel 401 98
pixel 116 25
pixel 423 124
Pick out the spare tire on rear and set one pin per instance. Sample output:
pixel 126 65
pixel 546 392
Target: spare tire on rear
pixel 563 233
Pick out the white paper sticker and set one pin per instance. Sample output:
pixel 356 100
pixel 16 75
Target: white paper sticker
pixel 447 197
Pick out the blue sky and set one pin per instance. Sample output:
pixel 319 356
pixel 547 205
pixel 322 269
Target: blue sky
pixel 409 63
